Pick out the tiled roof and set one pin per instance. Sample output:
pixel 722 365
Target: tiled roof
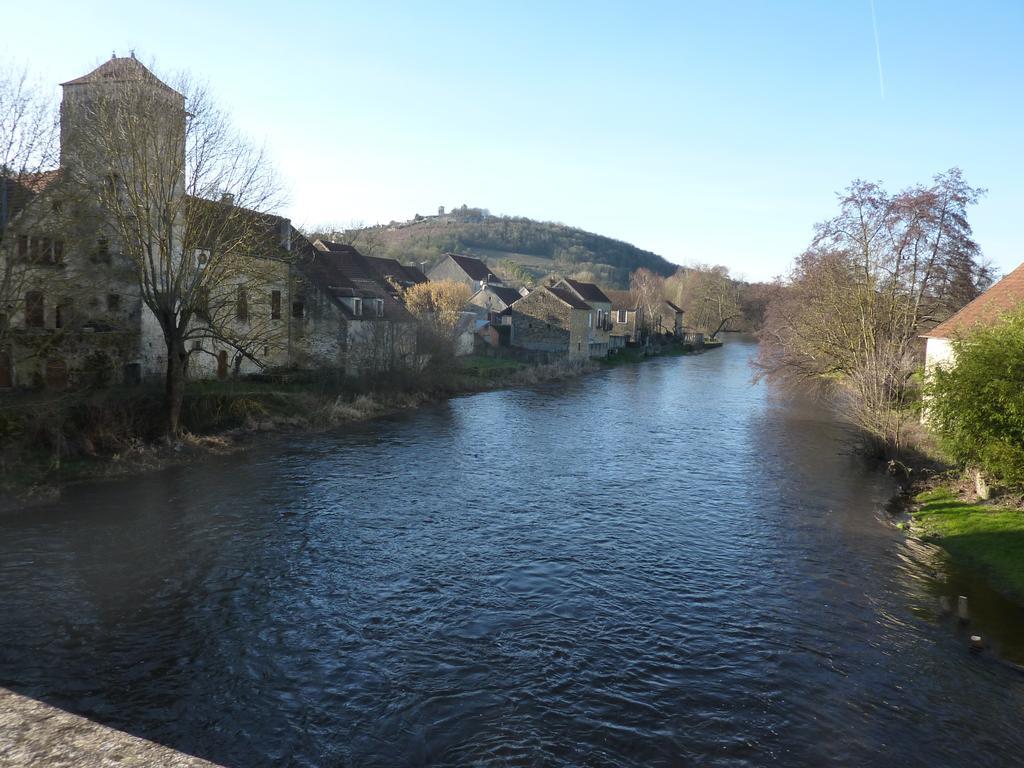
pixel 474 268
pixel 622 300
pixel 402 274
pixel 569 298
pixel 358 269
pixel 587 291
pixel 120 70
pixel 1005 296
pixel 507 295
pixel 23 187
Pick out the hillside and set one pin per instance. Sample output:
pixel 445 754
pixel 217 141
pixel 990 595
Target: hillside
pixel 523 249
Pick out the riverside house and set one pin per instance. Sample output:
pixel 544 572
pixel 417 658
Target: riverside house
pixel 627 318
pixel 553 320
pixel 1005 296
pixel 599 328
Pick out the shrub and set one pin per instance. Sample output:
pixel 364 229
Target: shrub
pixel 977 405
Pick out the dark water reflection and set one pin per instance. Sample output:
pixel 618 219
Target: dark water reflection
pixel 655 565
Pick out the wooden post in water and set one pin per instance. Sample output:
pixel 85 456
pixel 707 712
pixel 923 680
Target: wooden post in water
pixel 961 609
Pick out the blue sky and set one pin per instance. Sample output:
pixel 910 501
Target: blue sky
pixel 713 131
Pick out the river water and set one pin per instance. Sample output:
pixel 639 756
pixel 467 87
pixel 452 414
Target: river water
pixel 658 564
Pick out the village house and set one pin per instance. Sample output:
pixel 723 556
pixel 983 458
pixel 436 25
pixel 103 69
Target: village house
pixel 599 329
pixel 1005 296
pixel 493 323
pixel 627 319
pixel 390 274
pixel 494 299
pixel 552 320
pixel 468 270
pixel 376 332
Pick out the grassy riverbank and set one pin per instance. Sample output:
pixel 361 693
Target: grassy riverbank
pixel 984 536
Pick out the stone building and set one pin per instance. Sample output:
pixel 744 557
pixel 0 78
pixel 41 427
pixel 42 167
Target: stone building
pixel 349 319
pixel 468 270
pixel 72 309
pixel 599 329
pixel 627 318
pixel 551 320
pixel 491 300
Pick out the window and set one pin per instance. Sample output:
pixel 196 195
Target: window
pixel 357 307
pixel 298 309
pixel 241 305
pixel 590 319
pixel 203 303
pixel 380 307
pixel 620 315
pixel 39 250
pixel 202 257
pixel 102 254
pixel 65 313
pixel 113 302
pixel 34 312
pixel 22 247
pixel 111 182
pixel 197 345
pixel 275 305
pixel 58 251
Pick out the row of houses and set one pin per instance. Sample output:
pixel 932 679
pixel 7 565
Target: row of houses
pixel 569 317
pixel 77 314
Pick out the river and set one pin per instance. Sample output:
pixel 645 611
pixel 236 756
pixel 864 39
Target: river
pixel 659 564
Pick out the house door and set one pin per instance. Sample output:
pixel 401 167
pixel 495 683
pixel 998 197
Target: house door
pixel 6 378
pixel 222 364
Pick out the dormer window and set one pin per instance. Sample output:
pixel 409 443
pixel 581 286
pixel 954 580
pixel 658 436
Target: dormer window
pixel 380 307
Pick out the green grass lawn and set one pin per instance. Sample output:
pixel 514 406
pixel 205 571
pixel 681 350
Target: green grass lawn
pixel 984 536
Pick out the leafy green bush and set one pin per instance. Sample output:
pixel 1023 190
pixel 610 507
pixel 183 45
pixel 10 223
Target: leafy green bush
pixel 977 406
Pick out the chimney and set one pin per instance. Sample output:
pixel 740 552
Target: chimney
pixel 227 198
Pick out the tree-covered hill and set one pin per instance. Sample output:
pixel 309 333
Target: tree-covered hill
pixel 522 248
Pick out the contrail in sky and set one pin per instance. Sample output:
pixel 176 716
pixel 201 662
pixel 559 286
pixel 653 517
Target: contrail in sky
pixel 878 50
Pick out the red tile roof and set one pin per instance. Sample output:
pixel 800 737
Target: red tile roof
pixel 1005 296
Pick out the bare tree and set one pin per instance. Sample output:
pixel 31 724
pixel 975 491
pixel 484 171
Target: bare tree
pixel 28 148
pixel 708 295
pixel 876 275
pixel 177 191
pixel 649 291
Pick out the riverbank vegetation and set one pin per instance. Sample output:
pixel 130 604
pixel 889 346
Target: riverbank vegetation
pixel 976 406
pixel 47 440
pixel 882 271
